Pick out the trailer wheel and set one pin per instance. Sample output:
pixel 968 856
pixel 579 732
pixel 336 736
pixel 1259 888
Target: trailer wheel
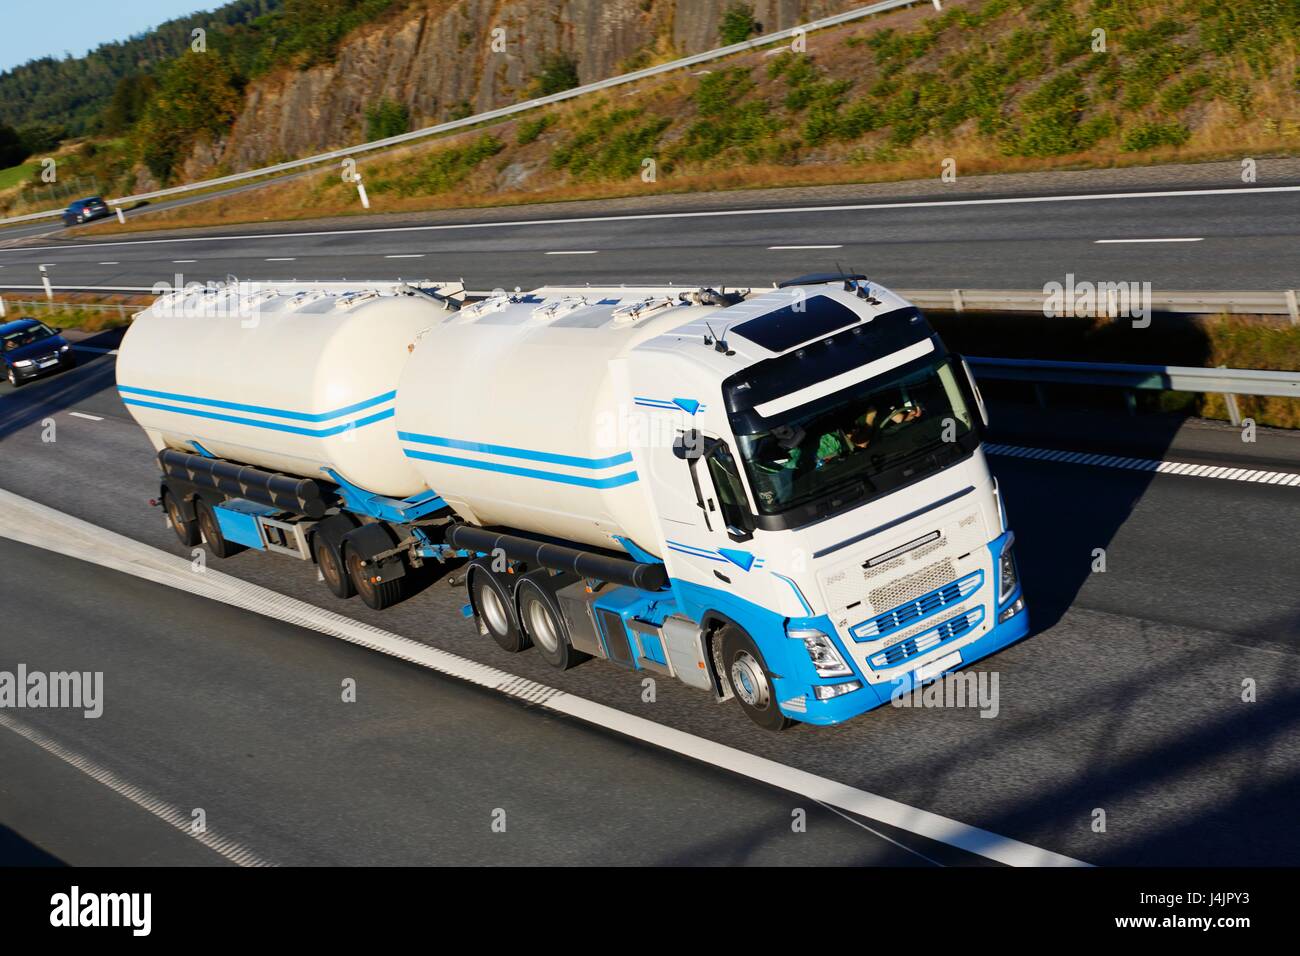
pixel 495 608
pixel 543 622
pixel 211 528
pixel 187 529
pixel 377 594
pixel 330 561
pixel 750 680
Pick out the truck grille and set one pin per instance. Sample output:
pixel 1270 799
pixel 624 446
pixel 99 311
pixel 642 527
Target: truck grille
pixel 904 614
pixel 928 640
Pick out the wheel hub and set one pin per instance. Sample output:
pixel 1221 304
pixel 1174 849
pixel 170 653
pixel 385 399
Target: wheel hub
pixel 495 612
pixel 540 626
pixel 749 681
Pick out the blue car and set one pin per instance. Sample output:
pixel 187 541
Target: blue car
pixel 30 348
pixel 84 210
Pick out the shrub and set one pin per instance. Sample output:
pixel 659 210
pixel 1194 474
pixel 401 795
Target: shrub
pixel 1152 135
pixel 738 24
pixel 529 130
pixel 559 73
pixel 387 118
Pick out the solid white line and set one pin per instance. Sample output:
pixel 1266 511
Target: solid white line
pixel 180 819
pixel 89 418
pixel 888 839
pixel 634 217
pixel 1160 466
pixel 573 252
pixel 43 527
pixel 1105 241
pixel 806 247
pixel 407 255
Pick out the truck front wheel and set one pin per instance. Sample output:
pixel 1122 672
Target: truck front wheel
pixel 750 680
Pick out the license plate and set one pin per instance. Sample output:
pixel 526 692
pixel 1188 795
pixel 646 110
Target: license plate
pixel 47 363
pixel 935 668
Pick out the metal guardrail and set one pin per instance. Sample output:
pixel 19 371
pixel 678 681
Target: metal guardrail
pixel 1283 302
pixel 1228 382
pixel 1167 378
pixel 504 111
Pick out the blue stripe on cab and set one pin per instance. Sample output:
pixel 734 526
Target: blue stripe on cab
pixel 507 451
pixel 257 409
pixel 614 481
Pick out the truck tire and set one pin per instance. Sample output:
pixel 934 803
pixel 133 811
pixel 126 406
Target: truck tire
pixel 211 528
pixel 750 680
pixel 187 529
pixel 378 595
pixel 542 620
pixel 329 558
pixel 494 605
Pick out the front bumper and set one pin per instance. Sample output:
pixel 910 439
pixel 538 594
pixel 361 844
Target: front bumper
pixel 26 373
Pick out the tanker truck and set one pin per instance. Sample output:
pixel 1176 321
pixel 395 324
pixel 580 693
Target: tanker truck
pixel 776 496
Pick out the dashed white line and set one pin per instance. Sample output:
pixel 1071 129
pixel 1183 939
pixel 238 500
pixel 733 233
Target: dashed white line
pixel 91 348
pixel 110 263
pixel 1102 242
pixel 573 252
pixel 1158 466
pixel 283 259
pixel 44 527
pixel 406 255
pixel 807 247
pixel 89 418
pixel 703 214
pixel 180 262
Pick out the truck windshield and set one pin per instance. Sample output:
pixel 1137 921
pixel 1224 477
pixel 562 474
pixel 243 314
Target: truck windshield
pixel 861 442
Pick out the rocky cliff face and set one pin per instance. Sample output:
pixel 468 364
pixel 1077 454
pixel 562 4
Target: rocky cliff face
pixel 436 56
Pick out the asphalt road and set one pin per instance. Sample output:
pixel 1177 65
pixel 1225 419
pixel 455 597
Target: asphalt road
pixel 1240 238
pixel 1127 698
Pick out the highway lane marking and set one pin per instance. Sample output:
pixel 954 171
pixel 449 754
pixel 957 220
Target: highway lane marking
pixel 1159 466
pixel 178 262
pixel 1102 242
pixel 573 252
pixel 633 217
pixel 90 418
pixel 92 348
pixel 44 527
pixel 171 814
pixel 283 259
pixel 806 247
pixel 110 263
pixel 406 255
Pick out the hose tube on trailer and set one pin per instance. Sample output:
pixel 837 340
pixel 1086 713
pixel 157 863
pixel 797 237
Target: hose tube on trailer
pixel 301 495
pixel 586 564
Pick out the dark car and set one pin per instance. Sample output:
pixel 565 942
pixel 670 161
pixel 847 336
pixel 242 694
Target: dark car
pixel 30 348
pixel 84 210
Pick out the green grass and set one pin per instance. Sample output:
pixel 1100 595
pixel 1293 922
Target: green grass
pixel 17 174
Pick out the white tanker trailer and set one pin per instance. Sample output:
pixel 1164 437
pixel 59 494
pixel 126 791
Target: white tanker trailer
pixel 776 495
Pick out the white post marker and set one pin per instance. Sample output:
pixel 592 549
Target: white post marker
pixel 45 281
pixel 361 191
pixel 118 209
pixel 2 307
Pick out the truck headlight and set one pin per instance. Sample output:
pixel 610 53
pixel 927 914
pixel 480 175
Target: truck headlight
pixel 1007 577
pixel 821 651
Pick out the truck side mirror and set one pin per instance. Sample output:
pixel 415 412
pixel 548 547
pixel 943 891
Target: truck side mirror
pixel 975 390
pixel 689 445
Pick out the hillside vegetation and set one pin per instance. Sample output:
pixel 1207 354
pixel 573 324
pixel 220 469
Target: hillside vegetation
pixel 992 86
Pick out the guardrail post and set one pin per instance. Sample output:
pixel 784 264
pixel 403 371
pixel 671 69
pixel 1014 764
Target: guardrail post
pixel 957 304
pixel 1293 306
pixel 1234 412
pixel 2 307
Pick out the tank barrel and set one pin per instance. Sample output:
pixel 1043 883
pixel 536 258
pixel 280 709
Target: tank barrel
pixel 587 564
pixel 242 481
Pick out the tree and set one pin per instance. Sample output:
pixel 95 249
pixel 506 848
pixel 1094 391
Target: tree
pixel 12 151
pixel 130 99
pixel 197 94
pixel 42 137
pixel 387 118
pixel 559 73
pixel 738 24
